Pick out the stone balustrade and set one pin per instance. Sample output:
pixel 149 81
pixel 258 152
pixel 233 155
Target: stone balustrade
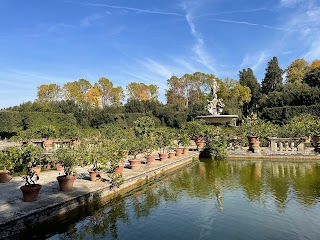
pixel 287 144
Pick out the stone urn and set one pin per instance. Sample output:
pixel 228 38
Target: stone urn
pixel 254 143
pixel 200 142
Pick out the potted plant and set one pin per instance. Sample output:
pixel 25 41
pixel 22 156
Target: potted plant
pixel 163 138
pixel 31 189
pixel 144 129
pixel 32 156
pixel 149 144
pixel 69 160
pixel 197 131
pixel 256 131
pixel 96 158
pixel 8 159
pixel 184 141
pixel 47 133
pixel 135 147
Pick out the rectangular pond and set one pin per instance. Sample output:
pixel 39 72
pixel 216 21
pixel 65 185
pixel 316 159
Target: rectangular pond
pixel 207 200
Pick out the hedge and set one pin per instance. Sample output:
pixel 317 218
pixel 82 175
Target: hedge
pixel 282 115
pixel 12 121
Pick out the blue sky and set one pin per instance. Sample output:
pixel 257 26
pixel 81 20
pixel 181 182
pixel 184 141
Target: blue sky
pixel 148 41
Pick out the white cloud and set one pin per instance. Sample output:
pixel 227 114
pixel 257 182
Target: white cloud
pixel 201 55
pixel 290 3
pixel 89 20
pixel 138 10
pixel 254 61
pixel 158 68
pixel 306 21
pixel 187 66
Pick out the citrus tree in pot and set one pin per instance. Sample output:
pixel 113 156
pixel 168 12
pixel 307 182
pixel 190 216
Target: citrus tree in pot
pixel 135 146
pixel 144 129
pixel 256 131
pixel 31 189
pixel 32 156
pixel 96 157
pixel 197 131
pixel 8 159
pixel 69 160
pixel 184 140
pixel 163 137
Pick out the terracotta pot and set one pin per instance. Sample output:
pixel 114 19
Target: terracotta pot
pixel 254 141
pixel 66 182
pixel 172 154
pixel 5 176
pixel 200 142
pixel 95 175
pixel 151 159
pixel 30 193
pixel 135 163
pixel 185 151
pixel 178 152
pixel 48 166
pixel 37 169
pixel 120 168
pixel 163 156
pixel 59 167
pixel 48 143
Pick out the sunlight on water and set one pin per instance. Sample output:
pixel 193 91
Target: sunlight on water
pixel 213 200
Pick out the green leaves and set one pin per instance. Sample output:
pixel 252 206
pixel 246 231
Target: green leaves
pixel 273 77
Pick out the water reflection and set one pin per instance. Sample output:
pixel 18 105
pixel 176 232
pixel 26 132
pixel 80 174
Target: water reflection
pixel 279 184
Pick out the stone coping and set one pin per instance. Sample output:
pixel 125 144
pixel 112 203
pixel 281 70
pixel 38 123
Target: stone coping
pixel 15 214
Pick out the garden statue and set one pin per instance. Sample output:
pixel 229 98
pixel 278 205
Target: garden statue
pixel 215 106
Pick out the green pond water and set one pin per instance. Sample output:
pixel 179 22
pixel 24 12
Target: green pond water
pixel 209 200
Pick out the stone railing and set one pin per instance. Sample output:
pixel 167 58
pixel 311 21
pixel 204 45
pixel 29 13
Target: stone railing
pixel 287 144
pixel 5 144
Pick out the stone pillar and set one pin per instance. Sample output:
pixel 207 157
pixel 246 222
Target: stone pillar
pixel 273 144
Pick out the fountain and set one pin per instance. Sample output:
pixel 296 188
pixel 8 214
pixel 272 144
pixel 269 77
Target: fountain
pixel 215 108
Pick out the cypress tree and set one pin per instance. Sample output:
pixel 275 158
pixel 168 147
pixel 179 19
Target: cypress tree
pixel 247 78
pixel 273 77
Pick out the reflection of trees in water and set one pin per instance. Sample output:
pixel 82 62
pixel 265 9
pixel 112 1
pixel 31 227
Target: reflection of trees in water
pixel 208 179
pixel 302 179
pixel 104 223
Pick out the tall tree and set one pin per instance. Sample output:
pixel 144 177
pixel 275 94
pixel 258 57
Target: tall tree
pixel 141 91
pixel 312 77
pixel 105 86
pixel 296 71
pixel 188 90
pixel 93 97
pixel 117 95
pixel 176 92
pixel 273 77
pixel 77 91
pixel 247 78
pixel 48 93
